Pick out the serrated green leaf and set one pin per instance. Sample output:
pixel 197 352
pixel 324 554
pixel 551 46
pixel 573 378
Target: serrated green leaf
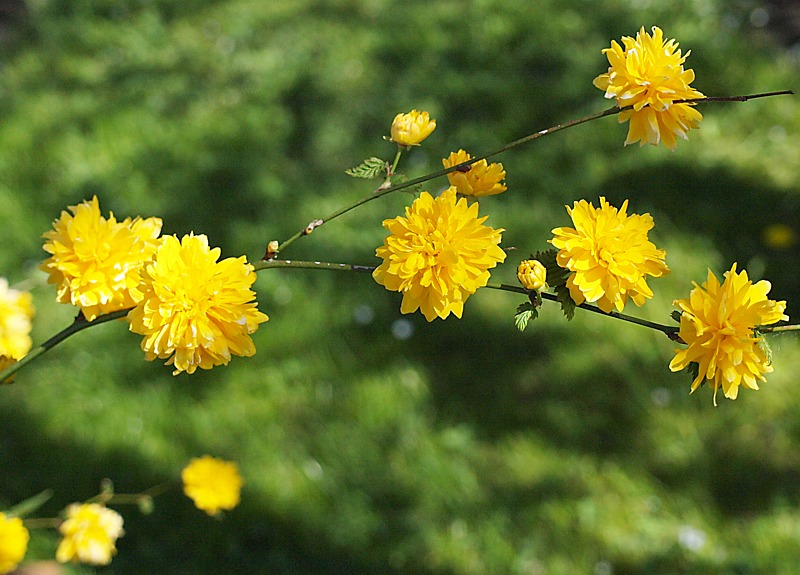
pixel 525 312
pixel 694 370
pixel 368 169
pixel 563 297
pixel 762 343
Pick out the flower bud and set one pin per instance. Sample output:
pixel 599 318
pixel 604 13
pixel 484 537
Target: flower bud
pixel 410 129
pixel 532 275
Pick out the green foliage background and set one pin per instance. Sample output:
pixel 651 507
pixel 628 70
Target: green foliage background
pixel 467 448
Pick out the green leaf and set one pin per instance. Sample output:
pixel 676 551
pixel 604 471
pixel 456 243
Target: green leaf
pixel 368 169
pixel 762 343
pixel 568 304
pixel 525 312
pixel 693 369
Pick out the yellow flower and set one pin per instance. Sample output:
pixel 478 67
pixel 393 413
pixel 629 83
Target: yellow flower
pixel 717 324
pixel 90 533
pixel 16 311
pixel 13 542
pixel 478 179
pixel 410 129
pixel 779 236
pixel 95 261
pixel 438 254
pixel 610 254
pixel 195 310
pixel 532 275
pixel 648 75
pixel 213 484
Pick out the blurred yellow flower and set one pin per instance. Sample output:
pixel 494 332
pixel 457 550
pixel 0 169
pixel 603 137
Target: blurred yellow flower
pixel 90 533
pixel 213 484
pixel 192 309
pixel 610 255
pixel 717 323
pixel 648 75
pixel 95 261
pixel 16 311
pixel 478 179
pixel 410 129
pixel 438 254
pixel 532 275
pixel 779 236
pixel 13 542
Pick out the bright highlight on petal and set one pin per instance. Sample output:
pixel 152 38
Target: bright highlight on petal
pixel 610 255
pixel 194 310
pixel 532 275
pixel 90 534
pixel 717 324
pixel 438 254
pixel 410 129
pixel 648 75
pixel 95 261
pixel 213 484
pixel 13 543
pixel 16 311
pixel 478 179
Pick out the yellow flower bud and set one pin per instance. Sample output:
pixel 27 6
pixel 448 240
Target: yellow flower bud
pixel 532 275
pixel 410 129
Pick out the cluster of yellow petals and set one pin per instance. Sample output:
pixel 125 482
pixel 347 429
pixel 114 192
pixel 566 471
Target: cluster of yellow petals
pixel 13 542
pixel 438 254
pixel 193 309
pixel 647 75
pixel 213 484
pixel 532 275
pixel 610 255
pixel 95 261
pixel 717 322
pixel 477 179
pixel 90 534
pixel 410 129
pixel 16 311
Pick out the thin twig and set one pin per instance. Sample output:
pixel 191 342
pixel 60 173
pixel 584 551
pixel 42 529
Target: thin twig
pixel 384 189
pixel 670 331
pixel 79 324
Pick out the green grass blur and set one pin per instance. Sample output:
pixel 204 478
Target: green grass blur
pixel 467 448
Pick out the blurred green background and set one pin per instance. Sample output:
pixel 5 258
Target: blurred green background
pixel 372 442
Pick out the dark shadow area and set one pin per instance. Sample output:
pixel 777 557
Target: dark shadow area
pixel 733 209
pixel 250 539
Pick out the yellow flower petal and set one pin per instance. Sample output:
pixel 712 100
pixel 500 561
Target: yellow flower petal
pixel 194 310
pixel 16 311
pixel 90 533
pixel 647 76
pixel 438 254
pixel 14 539
pixel 532 275
pixel 213 484
pixel 95 261
pixel 479 179
pixel 717 322
pixel 610 255
pixel 410 129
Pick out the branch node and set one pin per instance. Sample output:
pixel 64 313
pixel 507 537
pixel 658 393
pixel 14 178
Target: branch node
pixel 312 226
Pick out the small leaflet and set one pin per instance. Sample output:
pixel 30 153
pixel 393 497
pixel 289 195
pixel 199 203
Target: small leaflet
pixel 369 168
pixel 525 312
